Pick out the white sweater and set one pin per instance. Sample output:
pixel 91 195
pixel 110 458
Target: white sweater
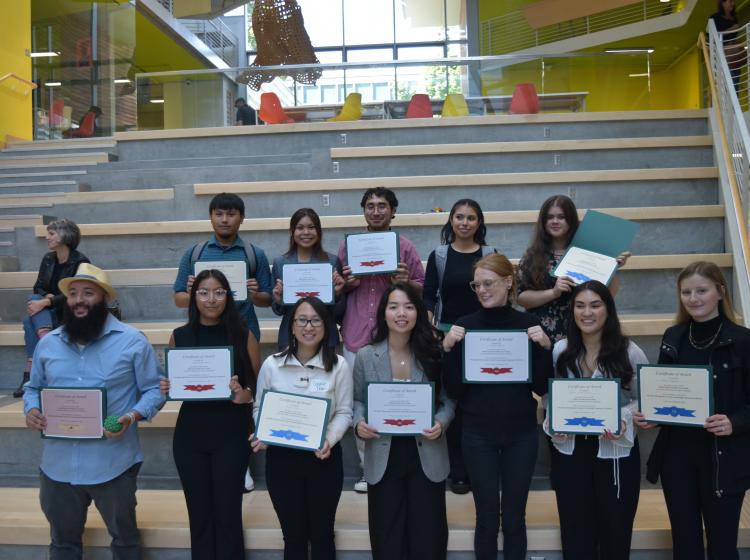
pixel 289 375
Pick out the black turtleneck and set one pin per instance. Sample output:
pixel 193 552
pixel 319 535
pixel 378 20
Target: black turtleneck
pixel 493 408
pixel 701 333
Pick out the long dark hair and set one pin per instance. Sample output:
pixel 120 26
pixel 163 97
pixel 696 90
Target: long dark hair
pixel 720 10
pixel 613 360
pixel 233 325
pixel 535 261
pixel 328 352
pixel 317 249
pixel 448 236
pixel 424 339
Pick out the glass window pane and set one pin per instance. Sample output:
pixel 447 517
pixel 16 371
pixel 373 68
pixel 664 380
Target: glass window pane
pixel 420 20
pixel 368 22
pixel 329 57
pixel 456 12
pixel 369 55
pixel 323 21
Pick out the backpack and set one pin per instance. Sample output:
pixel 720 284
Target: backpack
pixel 441 257
pixel 251 259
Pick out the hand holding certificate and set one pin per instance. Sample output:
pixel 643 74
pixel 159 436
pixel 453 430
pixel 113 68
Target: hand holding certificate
pixel 372 253
pixel 73 413
pixel 400 409
pixel 199 373
pixel 235 271
pixel 307 280
pixel 672 394
pixel 584 406
pixel 291 420
pixel 497 357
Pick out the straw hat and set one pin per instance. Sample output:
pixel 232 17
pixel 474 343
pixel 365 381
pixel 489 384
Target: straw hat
pixel 90 273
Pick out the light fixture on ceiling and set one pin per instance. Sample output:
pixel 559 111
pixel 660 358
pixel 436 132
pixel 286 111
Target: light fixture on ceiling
pixel 156 101
pixel 643 75
pixel 122 81
pixel 664 1
pixel 52 84
pixel 41 54
pixel 646 50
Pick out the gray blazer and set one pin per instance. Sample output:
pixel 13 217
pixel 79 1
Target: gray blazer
pixel 373 364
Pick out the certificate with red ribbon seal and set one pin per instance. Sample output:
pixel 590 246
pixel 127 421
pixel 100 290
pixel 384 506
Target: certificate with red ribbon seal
pixel 400 408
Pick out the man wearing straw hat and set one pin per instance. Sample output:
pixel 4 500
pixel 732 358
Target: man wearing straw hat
pixel 93 349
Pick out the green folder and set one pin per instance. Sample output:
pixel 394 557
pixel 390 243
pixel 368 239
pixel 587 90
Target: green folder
pixel 604 234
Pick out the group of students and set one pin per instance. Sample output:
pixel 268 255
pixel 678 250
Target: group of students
pixel 416 331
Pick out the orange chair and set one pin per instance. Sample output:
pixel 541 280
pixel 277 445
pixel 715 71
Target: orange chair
pixel 525 100
pixel 420 107
pixel 87 127
pixel 56 112
pixel 271 111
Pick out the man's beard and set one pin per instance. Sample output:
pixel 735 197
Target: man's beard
pixel 83 330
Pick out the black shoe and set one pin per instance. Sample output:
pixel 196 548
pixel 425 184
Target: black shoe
pixel 18 393
pixel 460 486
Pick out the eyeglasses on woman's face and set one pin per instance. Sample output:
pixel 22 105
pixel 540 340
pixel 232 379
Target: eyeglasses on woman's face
pixel 314 322
pixel 204 295
pixel 484 284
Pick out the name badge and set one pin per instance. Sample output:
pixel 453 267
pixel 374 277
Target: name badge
pixel 320 386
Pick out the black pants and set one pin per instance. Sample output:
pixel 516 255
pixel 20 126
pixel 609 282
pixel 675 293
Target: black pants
pixel 686 479
pixel 406 509
pixel 596 524
pixel 509 456
pixel 66 505
pixel 455 452
pixel 305 493
pixel 212 468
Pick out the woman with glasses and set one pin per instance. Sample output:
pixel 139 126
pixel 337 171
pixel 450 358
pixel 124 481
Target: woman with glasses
pixel 405 474
pixel 499 436
pixel 447 297
pixel 305 246
pixel 305 486
pixel 210 437
pixel 597 477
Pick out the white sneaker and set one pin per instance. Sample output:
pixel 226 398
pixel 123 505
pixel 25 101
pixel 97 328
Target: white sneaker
pixel 361 485
pixel 249 482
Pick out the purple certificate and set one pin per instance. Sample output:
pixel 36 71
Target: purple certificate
pixel 73 413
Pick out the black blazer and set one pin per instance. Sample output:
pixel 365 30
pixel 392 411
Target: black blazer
pixel 730 360
pixel 43 286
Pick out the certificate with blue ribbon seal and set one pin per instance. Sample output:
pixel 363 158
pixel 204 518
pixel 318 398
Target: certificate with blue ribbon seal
pixel 291 420
pixel 584 406
pixel 675 394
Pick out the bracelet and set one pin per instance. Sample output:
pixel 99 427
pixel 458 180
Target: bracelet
pixel 132 417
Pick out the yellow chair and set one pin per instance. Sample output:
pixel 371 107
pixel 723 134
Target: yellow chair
pixel 352 109
pixel 455 106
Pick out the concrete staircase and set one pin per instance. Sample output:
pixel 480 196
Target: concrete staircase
pixel 148 201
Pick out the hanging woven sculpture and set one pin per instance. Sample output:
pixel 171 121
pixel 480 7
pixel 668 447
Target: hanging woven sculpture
pixel 281 37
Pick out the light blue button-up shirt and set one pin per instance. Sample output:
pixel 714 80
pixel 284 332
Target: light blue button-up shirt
pixel 123 362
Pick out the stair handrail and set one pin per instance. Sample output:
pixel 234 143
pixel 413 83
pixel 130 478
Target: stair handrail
pixel 511 32
pixel 13 75
pixel 727 113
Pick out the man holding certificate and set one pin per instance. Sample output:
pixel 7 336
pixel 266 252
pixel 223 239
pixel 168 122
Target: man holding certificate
pixel 703 461
pixel 364 291
pixel 92 350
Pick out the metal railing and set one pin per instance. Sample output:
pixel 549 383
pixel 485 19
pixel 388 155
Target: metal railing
pixel 725 80
pixel 511 32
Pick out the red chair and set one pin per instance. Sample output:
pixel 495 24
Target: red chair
pixel 271 111
pixel 525 100
pixel 87 127
pixel 420 107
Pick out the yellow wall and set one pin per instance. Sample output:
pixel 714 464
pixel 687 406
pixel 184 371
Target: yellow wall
pixel 679 87
pixel 15 107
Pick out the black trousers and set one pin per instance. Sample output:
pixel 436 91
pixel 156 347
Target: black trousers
pixel 596 523
pixel 686 479
pixel 66 506
pixel 455 451
pixel 305 493
pixel 212 468
pixel 406 509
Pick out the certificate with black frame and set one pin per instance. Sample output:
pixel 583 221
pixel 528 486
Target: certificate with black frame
pixel 680 395
pixel 372 253
pixel 199 374
pixel 73 412
pixel 400 408
pixel 291 420
pixel 584 406
pixel 307 280
pixel 496 356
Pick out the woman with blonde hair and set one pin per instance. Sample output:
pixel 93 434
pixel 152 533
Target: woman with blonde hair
pixel 499 437
pixel 706 471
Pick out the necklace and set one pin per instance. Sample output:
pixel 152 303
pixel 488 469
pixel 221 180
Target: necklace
pixel 702 344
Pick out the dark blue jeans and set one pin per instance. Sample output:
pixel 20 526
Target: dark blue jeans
pixel 503 461
pixel 32 323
